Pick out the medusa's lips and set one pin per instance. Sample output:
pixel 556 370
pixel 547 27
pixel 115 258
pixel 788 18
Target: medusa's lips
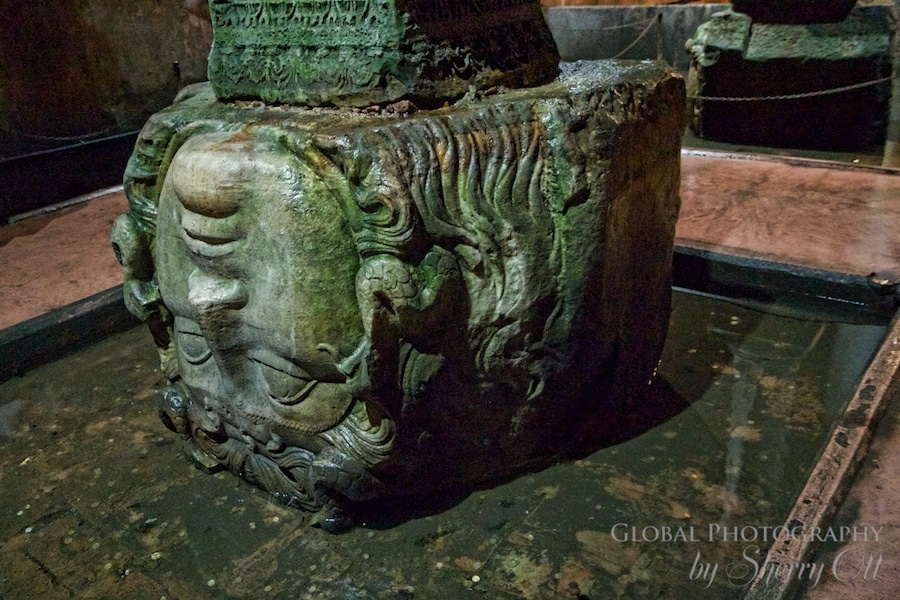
pixel 299 400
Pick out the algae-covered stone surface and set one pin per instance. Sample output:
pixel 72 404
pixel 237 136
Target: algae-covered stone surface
pixel 357 304
pixel 363 52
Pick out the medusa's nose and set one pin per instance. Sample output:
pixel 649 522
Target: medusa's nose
pixel 209 294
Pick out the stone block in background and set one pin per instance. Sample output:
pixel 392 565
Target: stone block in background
pixel 733 56
pixel 357 304
pixel 794 12
pixel 364 52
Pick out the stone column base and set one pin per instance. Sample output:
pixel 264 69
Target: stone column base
pixel 351 305
pixel 755 83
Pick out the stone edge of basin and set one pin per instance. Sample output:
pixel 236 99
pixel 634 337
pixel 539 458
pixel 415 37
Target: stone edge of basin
pixel 53 335
pixel 834 472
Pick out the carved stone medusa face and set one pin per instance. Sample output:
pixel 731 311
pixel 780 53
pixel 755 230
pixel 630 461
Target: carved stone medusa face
pixel 259 274
pixel 351 306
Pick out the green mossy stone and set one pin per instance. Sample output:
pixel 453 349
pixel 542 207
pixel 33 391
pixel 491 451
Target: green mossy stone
pixel 356 304
pixel 365 52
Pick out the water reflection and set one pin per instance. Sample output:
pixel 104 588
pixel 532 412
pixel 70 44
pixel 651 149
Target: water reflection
pixel 8 413
pixel 722 442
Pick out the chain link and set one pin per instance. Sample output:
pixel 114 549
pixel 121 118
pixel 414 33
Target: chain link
pixel 657 20
pixel 838 90
pixel 155 103
pixel 68 138
pixel 635 24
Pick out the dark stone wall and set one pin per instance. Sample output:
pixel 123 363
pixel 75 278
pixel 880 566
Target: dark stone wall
pixel 78 78
pixel 69 68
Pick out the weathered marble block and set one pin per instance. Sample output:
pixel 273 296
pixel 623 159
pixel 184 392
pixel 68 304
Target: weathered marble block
pixel 364 52
pixel 760 83
pixel 350 306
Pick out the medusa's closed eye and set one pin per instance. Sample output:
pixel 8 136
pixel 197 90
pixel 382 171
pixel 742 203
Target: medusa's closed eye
pixel 285 382
pixel 191 344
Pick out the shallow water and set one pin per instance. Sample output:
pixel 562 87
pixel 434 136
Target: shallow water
pixel 98 500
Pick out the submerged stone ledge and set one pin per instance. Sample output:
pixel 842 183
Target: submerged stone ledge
pixel 352 305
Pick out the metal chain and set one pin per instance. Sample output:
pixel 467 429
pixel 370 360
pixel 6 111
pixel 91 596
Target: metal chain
pixel 67 138
pixel 629 25
pixel 655 20
pixel 143 107
pixel 838 90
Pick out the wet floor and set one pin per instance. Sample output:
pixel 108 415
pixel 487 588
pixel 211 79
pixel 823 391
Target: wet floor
pixel 97 499
pixel 799 212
